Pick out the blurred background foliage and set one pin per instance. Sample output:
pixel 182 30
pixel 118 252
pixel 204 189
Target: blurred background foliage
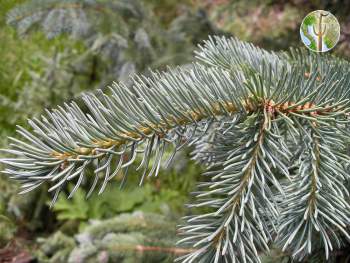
pixel 53 50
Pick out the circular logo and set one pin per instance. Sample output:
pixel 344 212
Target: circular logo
pixel 320 31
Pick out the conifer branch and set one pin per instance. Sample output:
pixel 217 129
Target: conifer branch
pixel 272 129
pixel 318 194
pixel 240 195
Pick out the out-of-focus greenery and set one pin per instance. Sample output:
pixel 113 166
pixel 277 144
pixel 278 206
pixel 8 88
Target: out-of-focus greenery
pixel 270 24
pixel 37 72
pixel 274 24
pixel 20 57
pixel 136 237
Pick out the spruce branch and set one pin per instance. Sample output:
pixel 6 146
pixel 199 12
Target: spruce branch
pixel 272 129
pixel 315 206
pixel 239 193
pixel 128 122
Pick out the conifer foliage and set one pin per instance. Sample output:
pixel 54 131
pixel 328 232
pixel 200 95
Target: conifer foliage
pixel 271 129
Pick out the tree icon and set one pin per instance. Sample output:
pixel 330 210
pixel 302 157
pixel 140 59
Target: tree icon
pixel 320 31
